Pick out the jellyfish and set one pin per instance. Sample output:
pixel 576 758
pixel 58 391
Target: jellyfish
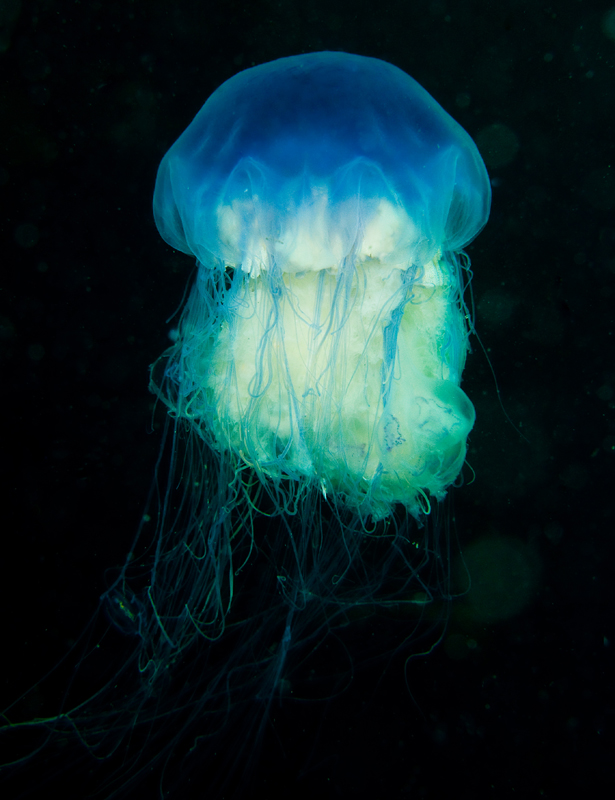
pixel 314 416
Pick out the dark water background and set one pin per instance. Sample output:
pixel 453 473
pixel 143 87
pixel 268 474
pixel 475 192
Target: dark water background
pixel 519 701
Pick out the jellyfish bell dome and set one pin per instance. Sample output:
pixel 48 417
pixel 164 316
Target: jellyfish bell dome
pixel 306 159
pixel 334 195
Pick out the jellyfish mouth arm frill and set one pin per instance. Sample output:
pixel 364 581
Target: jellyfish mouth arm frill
pixel 348 378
